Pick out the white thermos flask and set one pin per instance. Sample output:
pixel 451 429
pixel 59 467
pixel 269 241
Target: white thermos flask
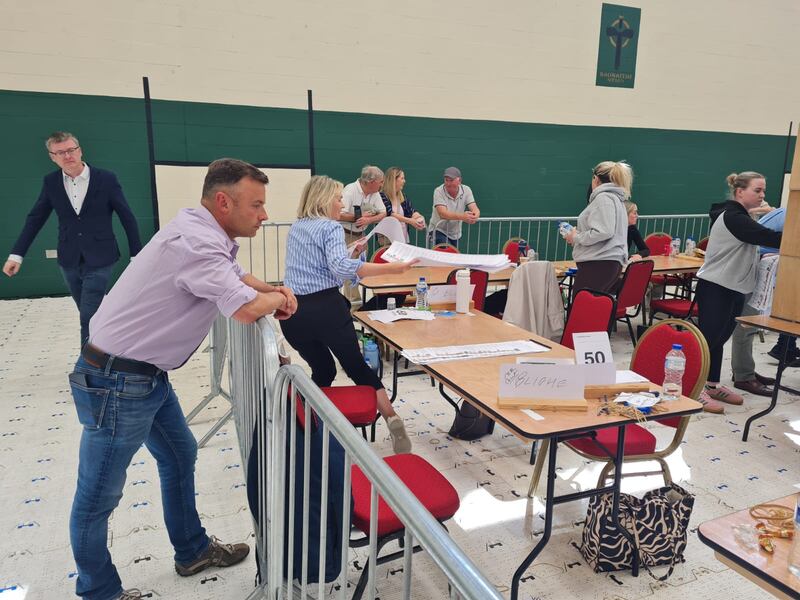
pixel 462 291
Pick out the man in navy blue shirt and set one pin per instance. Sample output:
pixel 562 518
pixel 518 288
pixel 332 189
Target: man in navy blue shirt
pixel 84 199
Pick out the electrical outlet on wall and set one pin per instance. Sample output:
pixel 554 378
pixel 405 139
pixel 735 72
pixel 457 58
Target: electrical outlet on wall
pixel 51 253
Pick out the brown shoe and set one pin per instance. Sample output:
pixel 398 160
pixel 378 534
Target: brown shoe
pixel 765 380
pixel 216 555
pixel 753 386
pixel 724 394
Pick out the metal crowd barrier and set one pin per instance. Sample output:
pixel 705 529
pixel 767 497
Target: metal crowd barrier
pixel 264 398
pixel 217 347
pixel 266 253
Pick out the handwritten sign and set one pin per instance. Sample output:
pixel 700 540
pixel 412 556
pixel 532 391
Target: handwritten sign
pixel 541 381
pixel 445 294
pixel 593 350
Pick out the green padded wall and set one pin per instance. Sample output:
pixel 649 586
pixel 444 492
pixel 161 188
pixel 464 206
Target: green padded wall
pixel 515 169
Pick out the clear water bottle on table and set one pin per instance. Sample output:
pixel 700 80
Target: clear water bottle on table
pixel 674 367
pixel 564 228
pixel 422 294
pixel 690 246
pixel 675 247
pixel 522 251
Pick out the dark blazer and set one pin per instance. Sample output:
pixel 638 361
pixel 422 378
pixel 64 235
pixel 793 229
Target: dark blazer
pixel 88 234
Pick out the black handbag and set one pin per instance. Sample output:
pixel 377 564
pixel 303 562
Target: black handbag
pixel 658 523
pixel 470 423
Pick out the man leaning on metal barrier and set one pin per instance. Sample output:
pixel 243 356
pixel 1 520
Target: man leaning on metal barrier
pixel 152 321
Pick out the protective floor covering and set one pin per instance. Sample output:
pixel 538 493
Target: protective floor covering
pixel 496 524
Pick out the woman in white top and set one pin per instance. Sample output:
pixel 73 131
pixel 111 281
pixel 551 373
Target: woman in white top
pixel 397 205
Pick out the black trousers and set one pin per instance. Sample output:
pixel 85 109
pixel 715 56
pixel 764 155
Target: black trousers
pixel 323 326
pixel 598 275
pixel 717 308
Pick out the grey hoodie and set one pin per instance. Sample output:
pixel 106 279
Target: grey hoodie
pixel 603 227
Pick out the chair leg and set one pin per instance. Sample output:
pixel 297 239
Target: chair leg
pixel 601 481
pixel 665 470
pixel 630 329
pixel 537 469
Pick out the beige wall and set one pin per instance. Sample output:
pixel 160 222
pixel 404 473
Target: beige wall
pixel 722 65
pixel 263 255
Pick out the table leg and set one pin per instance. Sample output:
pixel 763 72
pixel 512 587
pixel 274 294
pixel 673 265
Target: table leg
pixel 395 366
pixel 775 389
pixel 615 500
pixel 548 520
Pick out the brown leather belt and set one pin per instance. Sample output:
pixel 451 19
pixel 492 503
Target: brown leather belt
pixel 97 358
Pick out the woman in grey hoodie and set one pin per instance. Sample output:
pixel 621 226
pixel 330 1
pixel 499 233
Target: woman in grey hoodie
pixel 599 242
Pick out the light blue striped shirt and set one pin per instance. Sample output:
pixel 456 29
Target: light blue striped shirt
pixel 317 258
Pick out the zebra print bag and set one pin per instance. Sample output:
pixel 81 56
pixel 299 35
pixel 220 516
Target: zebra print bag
pixel 658 522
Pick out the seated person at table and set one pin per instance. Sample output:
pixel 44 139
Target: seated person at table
pixel 453 203
pixel 634 235
pixel 317 262
pixel 599 240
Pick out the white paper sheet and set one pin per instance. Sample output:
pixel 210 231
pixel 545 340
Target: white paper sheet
pixel 533 414
pixel 399 314
pixel 399 252
pixel 391 228
pixel 424 356
pixel 626 376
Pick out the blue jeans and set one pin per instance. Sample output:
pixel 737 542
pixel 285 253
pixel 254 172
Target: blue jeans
pixel 120 412
pixel 87 286
pixel 441 238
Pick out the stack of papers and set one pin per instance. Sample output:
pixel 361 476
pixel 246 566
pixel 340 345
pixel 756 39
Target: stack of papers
pixel 491 263
pixel 424 356
pixel 398 314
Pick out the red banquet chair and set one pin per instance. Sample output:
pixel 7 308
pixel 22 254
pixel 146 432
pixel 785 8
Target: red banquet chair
pixel 632 291
pixel 511 249
pixel 589 311
pixel 648 361
pixel 446 248
pixel 376 256
pixel 358 404
pixel 679 308
pixel 480 279
pixel 660 244
pixel 423 480
pixel 703 244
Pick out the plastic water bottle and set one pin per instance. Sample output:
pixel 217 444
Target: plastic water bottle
pixel 391 303
pixel 675 248
pixel 690 246
pixel 674 366
pixel 532 254
pixel 564 228
pixel 794 553
pixel 422 294
pixel 522 250
pixel 371 355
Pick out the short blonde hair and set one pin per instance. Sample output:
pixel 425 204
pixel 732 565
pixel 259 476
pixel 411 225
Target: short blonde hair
pixel 630 206
pixel 619 173
pixel 317 197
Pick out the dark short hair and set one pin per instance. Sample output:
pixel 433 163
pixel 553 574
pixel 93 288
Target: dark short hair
pixel 59 136
pixel 227 172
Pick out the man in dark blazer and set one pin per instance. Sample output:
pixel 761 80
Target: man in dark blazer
pixel 83 199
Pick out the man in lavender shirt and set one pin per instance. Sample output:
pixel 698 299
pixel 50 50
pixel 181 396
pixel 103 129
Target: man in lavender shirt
pixel 152 321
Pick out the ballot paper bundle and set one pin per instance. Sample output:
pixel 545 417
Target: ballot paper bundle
pixel 400 252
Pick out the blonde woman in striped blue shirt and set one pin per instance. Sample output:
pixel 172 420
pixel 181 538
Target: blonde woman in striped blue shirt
pixel 317 264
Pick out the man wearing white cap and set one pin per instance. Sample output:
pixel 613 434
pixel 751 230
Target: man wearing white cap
pixel 453 203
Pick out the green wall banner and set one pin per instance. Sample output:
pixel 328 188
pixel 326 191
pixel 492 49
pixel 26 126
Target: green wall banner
pixel 619 39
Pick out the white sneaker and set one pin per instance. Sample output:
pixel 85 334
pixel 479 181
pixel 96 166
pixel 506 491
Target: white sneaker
pixel 400 441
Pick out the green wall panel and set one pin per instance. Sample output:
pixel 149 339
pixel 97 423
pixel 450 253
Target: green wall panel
pixel 196 132
pixel 515 169
pixel 112 135
pixel 523 169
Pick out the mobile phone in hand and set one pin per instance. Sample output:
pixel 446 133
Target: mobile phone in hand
pixel 356 213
